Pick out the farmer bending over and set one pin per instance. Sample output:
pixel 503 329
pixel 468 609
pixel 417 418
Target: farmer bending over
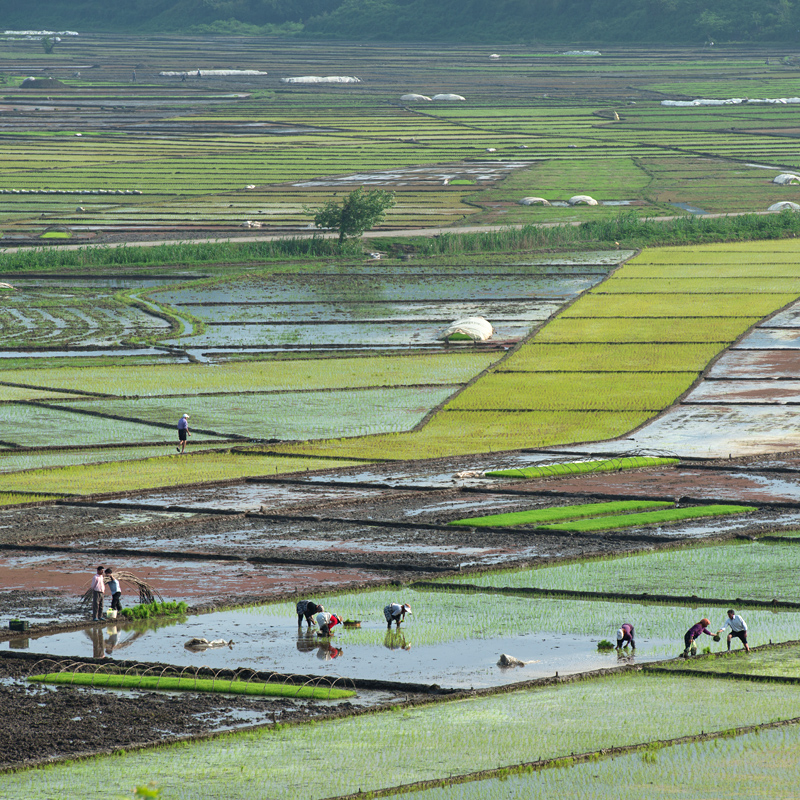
pixel 327 622
pixel 395 612
pixel 307 609
pixel 625 636
pixel 693 633
pixel 738 629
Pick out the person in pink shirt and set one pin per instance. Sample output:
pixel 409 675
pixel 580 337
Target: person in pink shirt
pixel 98 593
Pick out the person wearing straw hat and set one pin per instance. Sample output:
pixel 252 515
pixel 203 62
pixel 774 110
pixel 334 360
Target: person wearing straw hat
pixel 395 612
pixel 625 636
pixel 183 433
pixel 693 633
pixel 327 622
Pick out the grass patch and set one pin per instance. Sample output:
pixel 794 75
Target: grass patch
pixel 15 498
pixel 538 515
pixel 581 467
pixel 778 662
pixel 167 683
pixel 650 518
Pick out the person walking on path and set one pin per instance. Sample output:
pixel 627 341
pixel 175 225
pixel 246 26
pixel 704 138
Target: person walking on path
pixel 183 433
pixel 625 636
pixel 327 622
pixel 98 593
pixel 307 609
pixel 692 634
pixel 114 590
pixel 395 612
pixel 738 629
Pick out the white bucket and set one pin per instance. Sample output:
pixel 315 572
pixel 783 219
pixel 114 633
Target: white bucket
pixel 111 613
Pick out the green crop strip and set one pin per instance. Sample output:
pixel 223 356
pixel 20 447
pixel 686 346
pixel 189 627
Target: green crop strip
pixel 167 683
pixel 580 467
pixel 771 662
pixel 539 515
pixel 650 518
pixel 14 498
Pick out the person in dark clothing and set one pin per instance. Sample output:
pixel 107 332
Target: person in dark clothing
pixel 625 636
pixel 307 609
pixel 692 634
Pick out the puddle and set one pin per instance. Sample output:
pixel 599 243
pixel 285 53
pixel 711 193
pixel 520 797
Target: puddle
pixel 267 642
pixel 766 392
pixel 765 364
pixel 690 208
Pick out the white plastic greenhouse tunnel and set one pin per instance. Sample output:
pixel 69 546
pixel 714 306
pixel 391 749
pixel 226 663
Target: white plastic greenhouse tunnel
pixel 533 201
pixel 318 79
pixel 476 329
pixel 582 200
pixel 448 97
pixel 784 205
pixel 786 178
pixel 415 97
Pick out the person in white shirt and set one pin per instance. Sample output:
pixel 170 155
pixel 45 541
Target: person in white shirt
pixel 396 612
pixel 738 629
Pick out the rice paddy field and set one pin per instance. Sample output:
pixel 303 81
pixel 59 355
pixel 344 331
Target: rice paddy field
pixel 306 368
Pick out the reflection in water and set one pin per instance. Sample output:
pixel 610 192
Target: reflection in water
pixel 326 651
pixel 396 640
pixel 306 641
pixel 105 645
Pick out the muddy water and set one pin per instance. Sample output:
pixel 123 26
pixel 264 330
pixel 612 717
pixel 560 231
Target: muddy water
pixel 265 642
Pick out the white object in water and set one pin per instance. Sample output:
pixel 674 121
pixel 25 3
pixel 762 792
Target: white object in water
pixel 582 200
pixel 476 328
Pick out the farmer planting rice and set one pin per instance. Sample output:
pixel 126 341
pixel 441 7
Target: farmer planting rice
pixel 327 622
pixel 738 629
pixel 625 636
pixel 395 612
pixel 307 609
pixel 692 634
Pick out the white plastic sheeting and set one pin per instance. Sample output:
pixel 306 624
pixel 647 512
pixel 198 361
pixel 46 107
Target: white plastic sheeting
pixel 533 201
pixel 732 101
pixel 582 200
pixel 448 97
pixel 40 33
pixel 784 205
pixel 211 73
pixel 476 328
pixel 786 178
pixel 413 96
pixel 581 53
pixel 318 79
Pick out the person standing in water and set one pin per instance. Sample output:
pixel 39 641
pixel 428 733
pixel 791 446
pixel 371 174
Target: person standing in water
pixel 625 636
pixel 692 634
pixel 738 629
pixel 395 612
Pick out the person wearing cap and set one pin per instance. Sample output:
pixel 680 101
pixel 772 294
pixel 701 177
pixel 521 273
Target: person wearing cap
pixel 625 636
pixel 395 612
pixel 327 622
pixel 738 629
pixel 307 609
pixel 183 433
pixel 693 633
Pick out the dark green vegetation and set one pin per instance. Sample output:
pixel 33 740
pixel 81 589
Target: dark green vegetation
pixel 359 211
pixel 155 609
pixel 170 683
pixel 446 20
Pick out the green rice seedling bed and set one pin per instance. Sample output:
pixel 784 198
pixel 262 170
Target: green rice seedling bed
pixel 772 662
pixel 677 305
pixel 720 267
pixel 10 394
pixel 14 498
pixel 311 415
pixel 700 284
pixel 463 432
pixel 628 330
pixel 731 571
pixel 581 467
pixel 531 391
pixel 314 373
pixel 569 718
pixel 537 516
pixel 765 760
pixel 647 357
pixel 167 683
pixel 170 470
pixel 650 518
pixel 41 457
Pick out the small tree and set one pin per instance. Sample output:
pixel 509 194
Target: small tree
pixel 358 212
